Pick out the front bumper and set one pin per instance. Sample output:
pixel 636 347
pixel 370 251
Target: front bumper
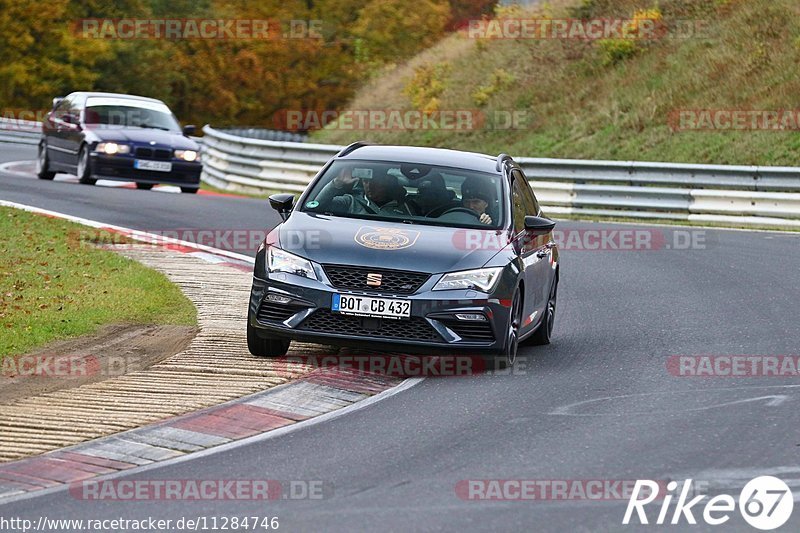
pixel 120 168
pixel 432 327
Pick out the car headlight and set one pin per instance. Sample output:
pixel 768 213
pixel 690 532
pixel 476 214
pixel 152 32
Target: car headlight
pixel 113 148
pixel 282 261
pixel 482 279
pixel 187 155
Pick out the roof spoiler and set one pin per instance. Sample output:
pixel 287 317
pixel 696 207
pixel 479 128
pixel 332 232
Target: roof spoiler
pixel 501 159
pixel 351 148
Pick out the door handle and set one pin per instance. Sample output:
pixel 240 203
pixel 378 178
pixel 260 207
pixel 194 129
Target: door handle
pixel 545 251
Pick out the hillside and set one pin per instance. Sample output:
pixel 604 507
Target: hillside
pixel 607 99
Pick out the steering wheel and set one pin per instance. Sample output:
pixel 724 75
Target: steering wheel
pixel 462 210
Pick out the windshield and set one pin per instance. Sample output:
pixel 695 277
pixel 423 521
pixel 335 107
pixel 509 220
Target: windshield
pixel 408 192
pixel 123 113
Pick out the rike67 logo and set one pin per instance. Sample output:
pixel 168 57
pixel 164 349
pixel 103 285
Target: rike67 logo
pixel 766 503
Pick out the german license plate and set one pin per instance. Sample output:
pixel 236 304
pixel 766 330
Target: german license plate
pixel 372 307
pixel 159 166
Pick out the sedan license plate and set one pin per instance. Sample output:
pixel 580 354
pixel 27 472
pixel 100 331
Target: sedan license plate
pixel 160 166
pixel 371 307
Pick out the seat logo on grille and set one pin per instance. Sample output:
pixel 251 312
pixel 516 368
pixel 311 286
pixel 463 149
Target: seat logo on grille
pixel 374 280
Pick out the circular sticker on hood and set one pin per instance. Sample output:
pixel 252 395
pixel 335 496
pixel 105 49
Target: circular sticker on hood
pixel 386 238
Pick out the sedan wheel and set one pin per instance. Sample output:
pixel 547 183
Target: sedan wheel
pixel 43 164
pixel 144 186
pixel 85 167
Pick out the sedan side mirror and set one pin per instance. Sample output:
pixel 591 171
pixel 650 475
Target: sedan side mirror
pixel 189 129
pixel 282 203
pixel 539 225
pixel 57 100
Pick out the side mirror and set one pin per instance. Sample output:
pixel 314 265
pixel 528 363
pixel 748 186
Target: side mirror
pixel 72 120
pixel 189 129
pixel 282 203
pixel 57 100
pixel 539 225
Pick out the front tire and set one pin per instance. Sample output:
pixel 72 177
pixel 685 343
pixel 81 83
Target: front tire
pixel 43 171
pixel 265 347
pixel 84 171
pixel 509 354
pixel 144 186
pixel 189 190
pixel 544 333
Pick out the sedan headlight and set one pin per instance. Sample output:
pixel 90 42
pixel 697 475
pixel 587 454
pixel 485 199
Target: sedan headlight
pixel 187 155
pixel 482 279
pixel 113 148
pixel 282 261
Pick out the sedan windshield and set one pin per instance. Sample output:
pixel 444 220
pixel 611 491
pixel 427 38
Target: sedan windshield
pixel 129 113
pixel 408 192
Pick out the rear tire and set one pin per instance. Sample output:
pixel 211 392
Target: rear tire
pixel 189 190
pixel 43 171
pixel 544 333
pixel 84 171
pixel 144 186
pixel 265 347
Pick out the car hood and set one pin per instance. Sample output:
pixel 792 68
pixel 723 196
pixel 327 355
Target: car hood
pixel 172 139
pixel 346 241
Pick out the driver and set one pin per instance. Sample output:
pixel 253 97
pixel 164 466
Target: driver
pixel 383 195
pixel 477 195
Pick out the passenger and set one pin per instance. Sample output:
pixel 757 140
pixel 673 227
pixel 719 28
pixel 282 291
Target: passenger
pixel 383 195
pixel 477 194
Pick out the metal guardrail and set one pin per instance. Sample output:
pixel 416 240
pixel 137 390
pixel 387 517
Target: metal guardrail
pixel 239 163
pixel 741 195
pixel 20 131
pixel 265 134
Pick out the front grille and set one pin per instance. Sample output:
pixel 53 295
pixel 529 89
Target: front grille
pixel 158 153
pixel 414 329
pixel 471 331
pixel 275 312
pixel 394 281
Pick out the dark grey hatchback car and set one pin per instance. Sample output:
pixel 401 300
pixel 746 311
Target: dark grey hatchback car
pixel 422 250
pixel 118 137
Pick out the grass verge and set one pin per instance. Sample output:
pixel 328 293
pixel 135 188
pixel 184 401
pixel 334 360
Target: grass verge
pixel 55 285
pixel 579 102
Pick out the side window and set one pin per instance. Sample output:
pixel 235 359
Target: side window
pixel 73 110
pixel 518 206
pixel 60 109
pixel 529 199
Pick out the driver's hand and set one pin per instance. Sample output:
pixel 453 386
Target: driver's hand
pixel 485 219
pixel 345 179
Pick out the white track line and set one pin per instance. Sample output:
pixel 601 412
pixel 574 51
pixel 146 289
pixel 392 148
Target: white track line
pixel 138 235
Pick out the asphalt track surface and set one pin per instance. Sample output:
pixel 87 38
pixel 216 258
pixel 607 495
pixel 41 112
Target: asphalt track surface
pixel 395 464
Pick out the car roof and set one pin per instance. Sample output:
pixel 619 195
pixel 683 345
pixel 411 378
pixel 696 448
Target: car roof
pixel 425 156
pixel 86 94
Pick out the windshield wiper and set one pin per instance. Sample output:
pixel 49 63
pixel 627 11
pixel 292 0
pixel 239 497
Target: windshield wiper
pixel 150 126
